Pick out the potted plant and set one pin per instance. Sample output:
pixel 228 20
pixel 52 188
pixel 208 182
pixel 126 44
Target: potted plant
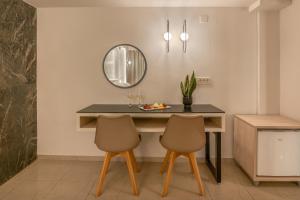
pixel 187 89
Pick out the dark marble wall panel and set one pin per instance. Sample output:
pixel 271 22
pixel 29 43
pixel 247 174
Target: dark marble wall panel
pixel 18 129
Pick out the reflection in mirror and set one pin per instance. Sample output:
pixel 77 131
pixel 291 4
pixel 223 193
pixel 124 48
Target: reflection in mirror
pixel 124 66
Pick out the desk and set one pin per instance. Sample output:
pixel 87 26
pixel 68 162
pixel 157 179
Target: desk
pixel 155 122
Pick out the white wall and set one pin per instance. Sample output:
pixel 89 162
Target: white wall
pixel 73 41
pixel 269 63
pixel 290 61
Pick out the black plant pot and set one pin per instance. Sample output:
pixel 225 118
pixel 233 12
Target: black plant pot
pixel 187 101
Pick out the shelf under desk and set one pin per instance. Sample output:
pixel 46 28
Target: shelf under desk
pixel 148 125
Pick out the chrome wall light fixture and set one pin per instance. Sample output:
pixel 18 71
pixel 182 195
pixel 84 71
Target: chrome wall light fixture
pixel 184 36
pixel 168 36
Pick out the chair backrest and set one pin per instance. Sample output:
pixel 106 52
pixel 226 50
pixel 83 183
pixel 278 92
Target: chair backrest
pixel 184 134
pixel 116 134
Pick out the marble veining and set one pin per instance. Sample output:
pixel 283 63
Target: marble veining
pixel 18 120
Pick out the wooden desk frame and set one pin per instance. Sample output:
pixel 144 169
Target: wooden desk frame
pixel 156 123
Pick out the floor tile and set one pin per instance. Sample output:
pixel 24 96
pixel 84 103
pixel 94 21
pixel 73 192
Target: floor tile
pixel 77 180
pixel 6 188
pixel 81 171
pixel 45 170
pixel 30 190
pixel 70 190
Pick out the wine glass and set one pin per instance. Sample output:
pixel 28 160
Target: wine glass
pixel 140 96
pixel 130 97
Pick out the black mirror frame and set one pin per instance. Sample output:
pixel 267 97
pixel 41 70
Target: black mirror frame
pixel 146 66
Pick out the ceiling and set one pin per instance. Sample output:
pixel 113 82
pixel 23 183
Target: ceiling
pixel 140 3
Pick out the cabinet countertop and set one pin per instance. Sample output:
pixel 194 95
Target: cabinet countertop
pixel 269 121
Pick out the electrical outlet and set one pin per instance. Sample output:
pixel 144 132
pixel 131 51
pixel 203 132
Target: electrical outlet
pixel 203 80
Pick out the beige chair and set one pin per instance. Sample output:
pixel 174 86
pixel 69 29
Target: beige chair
pixel 182 137
pixel 117 136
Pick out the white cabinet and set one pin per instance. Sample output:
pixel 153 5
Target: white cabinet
pixel 278 153
pixel 267 147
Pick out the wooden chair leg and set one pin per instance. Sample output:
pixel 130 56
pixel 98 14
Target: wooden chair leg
pixel 131 172
pixel 103 173
pixel 112 154
pixel 191 165
pixel 168 176
pixel 190 162
pixel 165 162
pixel 197 173
pixel 134 163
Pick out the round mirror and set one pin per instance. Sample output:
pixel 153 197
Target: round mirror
pixel 124 66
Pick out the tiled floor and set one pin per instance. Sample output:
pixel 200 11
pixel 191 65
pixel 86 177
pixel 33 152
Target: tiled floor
pixel 76 180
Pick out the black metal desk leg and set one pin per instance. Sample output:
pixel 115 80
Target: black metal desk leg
pixel 207 147
pixel 216 171
pixel 218 157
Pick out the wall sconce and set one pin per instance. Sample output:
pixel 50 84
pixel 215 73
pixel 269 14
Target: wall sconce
pixel 168 36
pixel 184 36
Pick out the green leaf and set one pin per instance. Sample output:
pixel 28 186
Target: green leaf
pixel 187 83
pixel 193 76
pixel 182 88
pixel 193 87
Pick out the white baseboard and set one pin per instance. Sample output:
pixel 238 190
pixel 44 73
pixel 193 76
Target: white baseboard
pixel 101 158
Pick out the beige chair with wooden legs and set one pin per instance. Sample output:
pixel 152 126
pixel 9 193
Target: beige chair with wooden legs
pixel 117 136
pixel 182 137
